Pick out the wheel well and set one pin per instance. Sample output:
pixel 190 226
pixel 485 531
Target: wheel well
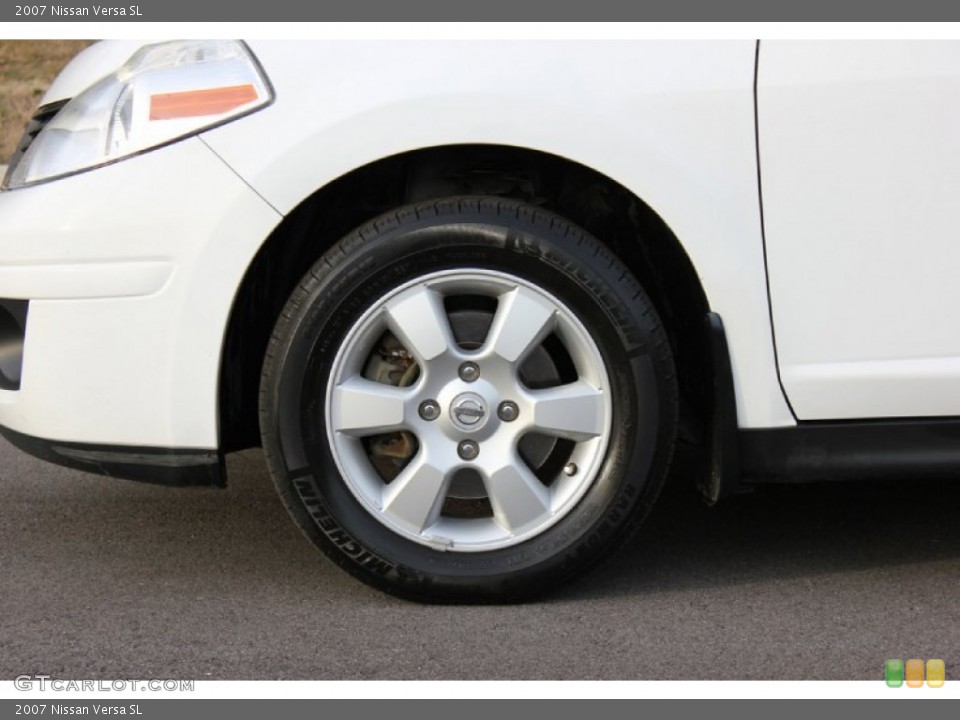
pixel 595 202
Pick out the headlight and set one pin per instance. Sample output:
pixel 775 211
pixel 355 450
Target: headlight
pixel 163 93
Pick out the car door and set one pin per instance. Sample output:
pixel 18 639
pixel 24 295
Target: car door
pixel 859 149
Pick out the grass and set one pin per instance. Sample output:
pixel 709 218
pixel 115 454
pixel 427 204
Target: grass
pixel 27 67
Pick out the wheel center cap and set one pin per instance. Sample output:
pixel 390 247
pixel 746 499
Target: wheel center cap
pixel 468 411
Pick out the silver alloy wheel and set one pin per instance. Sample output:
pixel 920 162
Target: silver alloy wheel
pixel 522 504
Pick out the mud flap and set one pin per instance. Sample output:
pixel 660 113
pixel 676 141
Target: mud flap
pixel 721 476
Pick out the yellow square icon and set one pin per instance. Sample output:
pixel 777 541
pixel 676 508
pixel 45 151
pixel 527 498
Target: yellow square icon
pixel 914 673
pixel 936 673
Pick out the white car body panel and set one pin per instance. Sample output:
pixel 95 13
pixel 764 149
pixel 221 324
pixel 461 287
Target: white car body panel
pixel 672 122
pixel 128 302
pixel 860 161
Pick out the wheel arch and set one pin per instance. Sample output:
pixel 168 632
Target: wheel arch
pixel 633 230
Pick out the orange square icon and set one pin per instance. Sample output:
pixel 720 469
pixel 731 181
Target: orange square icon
pixel 914 673
pixel 936 673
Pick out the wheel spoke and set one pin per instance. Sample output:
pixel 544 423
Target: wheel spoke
pixel 521 323
pixel 574 411
pixel 415 496
pixel 363 407
pixel 420 321
pixel 518 498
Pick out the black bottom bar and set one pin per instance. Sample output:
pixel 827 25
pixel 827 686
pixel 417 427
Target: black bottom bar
pixel 162 466
pixel 861 450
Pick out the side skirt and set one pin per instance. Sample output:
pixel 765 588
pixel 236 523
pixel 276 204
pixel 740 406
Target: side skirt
pixel 851 450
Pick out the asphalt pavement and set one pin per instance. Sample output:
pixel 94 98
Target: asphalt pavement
pixel 107 578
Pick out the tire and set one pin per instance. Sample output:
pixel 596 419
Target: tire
pixel 405 339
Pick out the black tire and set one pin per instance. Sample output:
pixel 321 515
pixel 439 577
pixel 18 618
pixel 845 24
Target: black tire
pixel 478 233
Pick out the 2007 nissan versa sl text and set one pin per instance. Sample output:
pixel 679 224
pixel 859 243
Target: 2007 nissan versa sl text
pixel 468 295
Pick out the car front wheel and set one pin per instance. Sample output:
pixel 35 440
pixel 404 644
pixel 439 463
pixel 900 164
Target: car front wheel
pixel 468 400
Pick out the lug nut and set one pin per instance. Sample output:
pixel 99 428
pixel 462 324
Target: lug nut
pixel 429 409
pixel 469 371
pixel 468 449
pixel 508 411
pixel 570 469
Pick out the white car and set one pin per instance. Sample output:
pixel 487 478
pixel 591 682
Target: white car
pixel 468 295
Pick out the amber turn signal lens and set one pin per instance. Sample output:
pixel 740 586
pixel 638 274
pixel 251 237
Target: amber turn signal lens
pixel 195 103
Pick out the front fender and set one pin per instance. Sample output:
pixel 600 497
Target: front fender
pixel 671 121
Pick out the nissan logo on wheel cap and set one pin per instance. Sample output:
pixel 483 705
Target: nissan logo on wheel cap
pixel 468 411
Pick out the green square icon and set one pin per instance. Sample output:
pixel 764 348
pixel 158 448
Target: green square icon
pixel 893 673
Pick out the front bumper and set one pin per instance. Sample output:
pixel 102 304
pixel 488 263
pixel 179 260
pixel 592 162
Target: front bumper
pixel 130 272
